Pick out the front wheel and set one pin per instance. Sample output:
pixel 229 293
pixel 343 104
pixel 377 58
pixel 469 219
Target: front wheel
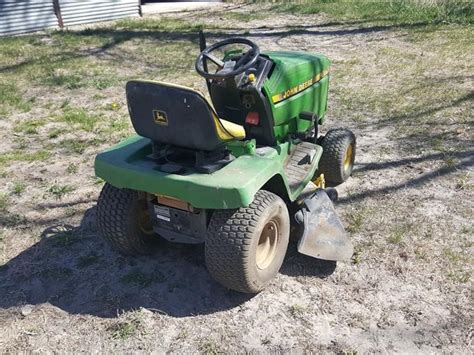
pixel 245 247
pixel 337 161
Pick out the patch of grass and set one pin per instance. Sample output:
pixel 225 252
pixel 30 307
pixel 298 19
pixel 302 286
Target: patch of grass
pixel 65 238
pixel 123 330
pixel 355 219
pixel 10 96
pixel 393 11
pixel 243 16
pixel 59 191
pixel 74 145
pixel 18 187
pixel 104 82
pixel 399 233
pixel 72 168
pixel 87 260
pixel 4 199
pixel 460 276
pixel 119 125
pixel 12 219
pixel 29 126
pixel 67 80
pixel 40 155
pixel 210 347
pixel 465 182
pixel 55 133
pixel 297 310
pixel 139 278
pixel 79 117
pixel 161 24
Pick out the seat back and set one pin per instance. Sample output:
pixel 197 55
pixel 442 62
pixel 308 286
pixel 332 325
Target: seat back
pixel 172 115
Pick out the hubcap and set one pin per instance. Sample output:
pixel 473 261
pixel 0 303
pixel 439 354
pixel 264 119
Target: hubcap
pixel 348 157
pixel 267 245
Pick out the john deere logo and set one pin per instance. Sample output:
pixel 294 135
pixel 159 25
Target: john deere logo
pixel 160 117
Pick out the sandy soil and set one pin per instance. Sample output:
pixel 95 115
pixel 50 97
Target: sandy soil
pixel 408 207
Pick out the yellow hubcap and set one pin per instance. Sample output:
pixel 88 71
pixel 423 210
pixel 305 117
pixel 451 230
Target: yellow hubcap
pixel 348 157
pixel 267 245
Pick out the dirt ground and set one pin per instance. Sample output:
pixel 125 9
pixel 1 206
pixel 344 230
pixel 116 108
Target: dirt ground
pixel 407 93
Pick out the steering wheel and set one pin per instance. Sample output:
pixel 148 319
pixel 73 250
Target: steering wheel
pixel 242 64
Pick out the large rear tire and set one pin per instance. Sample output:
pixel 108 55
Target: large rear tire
pixel 123 220
pixel 245 247
pixel 337 161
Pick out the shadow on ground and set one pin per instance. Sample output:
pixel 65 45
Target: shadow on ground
pixel 73 269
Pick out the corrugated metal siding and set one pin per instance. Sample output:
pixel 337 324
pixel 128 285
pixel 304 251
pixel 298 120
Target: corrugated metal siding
pixel 22 16
pixel 79 12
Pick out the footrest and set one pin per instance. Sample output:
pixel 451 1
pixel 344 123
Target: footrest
pixel 300 162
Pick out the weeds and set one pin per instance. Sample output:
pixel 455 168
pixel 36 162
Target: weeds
pixel 29 126
pixel 18 187
pixel 79 117
pixel 123 330
pixel 10 96
pixel 297 310
pixel 399 233
pixel 4 199
pixel 59 191
pixel 40 155
pixel 209 347
pixel 72 168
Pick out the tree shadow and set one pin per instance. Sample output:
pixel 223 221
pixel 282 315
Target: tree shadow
pixel 73 269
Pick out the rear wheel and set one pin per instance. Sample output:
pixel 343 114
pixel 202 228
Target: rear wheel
pixel 245 247
pixel 123 220
pixel 337 161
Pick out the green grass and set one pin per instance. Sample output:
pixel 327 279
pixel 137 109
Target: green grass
pixel 4 199
pixel 11 97
pixel 69 81
pixel 29 126
pixel 390 11
pixel 77 146
pixel 159 24
pixel 123 330
pixel 18 187
pixel 72 168
pixel 80 117
pixel 59 191
pixel 40 155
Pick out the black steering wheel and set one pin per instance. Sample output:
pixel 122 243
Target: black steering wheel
pixel 242 64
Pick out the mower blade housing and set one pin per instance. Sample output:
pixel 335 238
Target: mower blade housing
pixel 323 236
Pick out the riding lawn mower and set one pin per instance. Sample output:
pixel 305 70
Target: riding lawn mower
pixel 239 174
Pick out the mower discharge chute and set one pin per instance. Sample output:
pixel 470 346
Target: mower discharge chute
pixel 227 174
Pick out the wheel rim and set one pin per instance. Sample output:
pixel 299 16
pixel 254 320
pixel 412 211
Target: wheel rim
pixel 348 157
pixel 144 221
pixel 267 245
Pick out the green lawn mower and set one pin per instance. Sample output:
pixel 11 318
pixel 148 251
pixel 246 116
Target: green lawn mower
pixel 239 174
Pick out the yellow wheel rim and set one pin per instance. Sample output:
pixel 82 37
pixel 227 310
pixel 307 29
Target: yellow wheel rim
pixel 348 157
pixel 144 221
pixel 267 245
